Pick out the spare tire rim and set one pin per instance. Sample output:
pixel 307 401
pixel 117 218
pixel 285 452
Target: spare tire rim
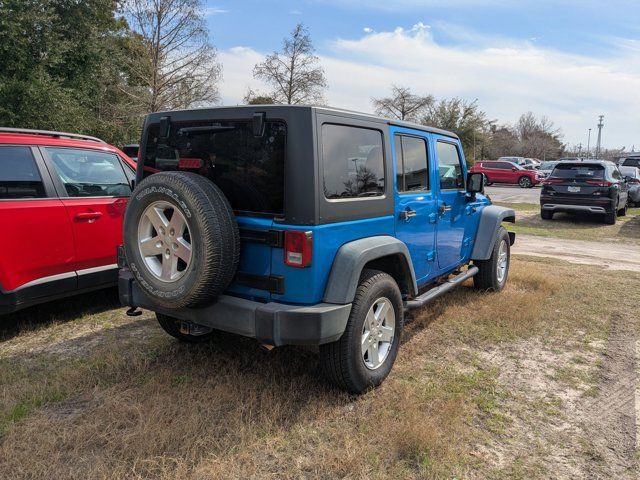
pixel 378 333
pixel 164 241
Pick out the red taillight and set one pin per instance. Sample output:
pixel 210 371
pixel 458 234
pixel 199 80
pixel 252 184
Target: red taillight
pixel 548 181
pixel 599 183
pixel 298 248
pixel 190 163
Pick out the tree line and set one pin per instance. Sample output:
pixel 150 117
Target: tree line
pixel 98 66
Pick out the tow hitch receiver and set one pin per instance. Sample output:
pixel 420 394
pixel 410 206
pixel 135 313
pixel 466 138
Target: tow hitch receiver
pixel 190 328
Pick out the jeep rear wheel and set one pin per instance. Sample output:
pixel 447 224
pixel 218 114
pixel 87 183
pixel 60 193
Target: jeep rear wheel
pixel 493 273
pixel 181 239
pixel 362 358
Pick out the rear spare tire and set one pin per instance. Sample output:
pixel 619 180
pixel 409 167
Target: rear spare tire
pixel 181 239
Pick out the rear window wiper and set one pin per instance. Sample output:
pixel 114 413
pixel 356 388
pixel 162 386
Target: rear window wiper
pixel 205 129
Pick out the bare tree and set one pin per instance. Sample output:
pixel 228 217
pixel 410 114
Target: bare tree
pixel 182 68
pixel 529 137
pixel 295 73
pixel 402 104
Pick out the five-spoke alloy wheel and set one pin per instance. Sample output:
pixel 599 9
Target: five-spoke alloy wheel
pixel 362 358
pixel 164 239
pixel 377 333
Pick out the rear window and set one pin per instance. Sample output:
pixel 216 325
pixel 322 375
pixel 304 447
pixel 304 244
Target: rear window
pixel 631 162
pixel 353 162
pixel 248 169
pixel 578 171
pixel 19 176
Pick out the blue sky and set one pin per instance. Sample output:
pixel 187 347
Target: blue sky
pixel 568 59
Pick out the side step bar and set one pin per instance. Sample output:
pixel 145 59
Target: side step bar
pixel 435 292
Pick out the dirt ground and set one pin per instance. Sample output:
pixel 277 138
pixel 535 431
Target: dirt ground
pixel 535 382
pixel 613 255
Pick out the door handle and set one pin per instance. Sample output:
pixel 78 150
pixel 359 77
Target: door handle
pixel 88 216
pixel 407 214
pixel 444 208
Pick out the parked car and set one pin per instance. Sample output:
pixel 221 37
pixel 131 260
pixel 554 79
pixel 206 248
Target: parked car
pixel 593 186
pixel 507 172
pixel 526 163
pixel 632 174
pixel 630 162
pixel 545 168
pixel 378 217
pixel 63 197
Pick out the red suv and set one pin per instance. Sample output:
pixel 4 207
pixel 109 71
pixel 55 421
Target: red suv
pixel 507 172
pixel 62 200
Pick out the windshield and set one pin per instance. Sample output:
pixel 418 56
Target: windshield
pixel 579 171
pixel 248 169
pixel 547 165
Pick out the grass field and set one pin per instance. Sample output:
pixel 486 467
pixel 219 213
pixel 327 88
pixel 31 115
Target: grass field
pixel 576 227
pixel 481 384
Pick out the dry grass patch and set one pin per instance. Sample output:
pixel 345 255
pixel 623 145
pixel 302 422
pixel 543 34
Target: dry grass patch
pixel 137 404
pixel 576 227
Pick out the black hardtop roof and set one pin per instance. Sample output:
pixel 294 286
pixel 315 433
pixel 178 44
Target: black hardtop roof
pixel 155 117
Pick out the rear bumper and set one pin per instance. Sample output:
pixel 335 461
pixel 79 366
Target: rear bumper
pixel 271 323
pixel 558 203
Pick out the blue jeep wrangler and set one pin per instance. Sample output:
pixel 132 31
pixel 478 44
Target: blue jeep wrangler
pixel 304 225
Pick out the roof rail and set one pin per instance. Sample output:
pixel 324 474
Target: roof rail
pixel 48 133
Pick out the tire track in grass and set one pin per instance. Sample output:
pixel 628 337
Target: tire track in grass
pixel 613 414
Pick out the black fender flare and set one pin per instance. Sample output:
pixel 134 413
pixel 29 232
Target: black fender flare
pixel 491 217
pixel 352 257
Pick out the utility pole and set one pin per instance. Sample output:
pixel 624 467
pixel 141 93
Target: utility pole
pixel 599 144
pixel 589 144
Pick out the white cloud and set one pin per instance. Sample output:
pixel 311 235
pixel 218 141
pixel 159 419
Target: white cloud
pixel 211 11
pixel 368 30
pixel 507 78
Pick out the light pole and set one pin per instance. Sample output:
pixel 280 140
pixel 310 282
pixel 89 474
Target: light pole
pixel 589 144
pixel 599 144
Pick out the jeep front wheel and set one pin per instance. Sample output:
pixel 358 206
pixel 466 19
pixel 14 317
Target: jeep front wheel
pixel 493 273
pixel 362 358
pixel 181 239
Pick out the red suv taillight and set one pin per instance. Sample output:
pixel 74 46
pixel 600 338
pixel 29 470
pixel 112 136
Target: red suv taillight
pixel 549 181
pixel 599 183
pixel 298 248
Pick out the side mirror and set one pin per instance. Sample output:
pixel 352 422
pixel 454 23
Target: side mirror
pixel 514 169
pixel 475 183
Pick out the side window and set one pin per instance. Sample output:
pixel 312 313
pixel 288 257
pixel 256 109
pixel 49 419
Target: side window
pixel 412 164
pixel 353 163
pixel 616 173
pixel 504 166
pixel 19 175
pixel 450 167
pixel 89 173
